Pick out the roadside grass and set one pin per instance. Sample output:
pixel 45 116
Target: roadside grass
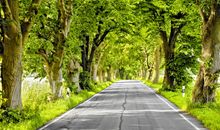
pixel 39 110
pixel 208 114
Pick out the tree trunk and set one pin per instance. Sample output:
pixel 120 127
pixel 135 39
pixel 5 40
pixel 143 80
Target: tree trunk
pixel 150 73
pixel 12 67
pixel 54 74
pixel 144 72
pixel 14 34
pixel 122 73
pixel 168 81
pixel 54 67
pixel 109 74
pixel 157 60
pixel 85 75
pixel 95 70
pixel 206 82
pixel 88 52
pixel 98 57
pixel 115 74
pixel 100 76
pixel 168 47
pixel 169 40
pixel 73 76
pixel 104 76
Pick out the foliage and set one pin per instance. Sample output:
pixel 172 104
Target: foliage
pixel 36 107
pixel 185 64
pixel 124 35
pixel 207 114
pixel 42 35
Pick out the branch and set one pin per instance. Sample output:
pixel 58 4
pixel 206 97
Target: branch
pixel 201 12
pixel 64 16
pixel 1 25
pixel 28 20
pixel 69 8
pixel 175 31
pixel 212 13
pixel 61 11
pixel 6 9
pixel 97 35
pixel 96 44
pixel 102 37
pixel 43 53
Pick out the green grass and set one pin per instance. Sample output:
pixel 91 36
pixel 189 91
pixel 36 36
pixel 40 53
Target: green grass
pixel 40 110
pixel 208 114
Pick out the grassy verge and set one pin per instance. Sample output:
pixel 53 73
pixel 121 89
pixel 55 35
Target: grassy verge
pixel 40 111
pixel 208 114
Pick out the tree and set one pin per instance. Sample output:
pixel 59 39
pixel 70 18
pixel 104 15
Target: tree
pixel 206 82
pixel 168 18
pixel 94 21
pixel 14 33
pixel 51 34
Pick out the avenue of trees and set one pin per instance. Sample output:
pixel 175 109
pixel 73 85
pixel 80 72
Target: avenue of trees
pixel 76 43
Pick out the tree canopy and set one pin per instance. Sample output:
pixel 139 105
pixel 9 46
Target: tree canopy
pixel 74 44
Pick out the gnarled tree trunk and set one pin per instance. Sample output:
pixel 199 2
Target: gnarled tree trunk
pixel 54 66
pixel 12 67
pixel 15 33
pixel 54 75
pixel 73 76
pixel 205 86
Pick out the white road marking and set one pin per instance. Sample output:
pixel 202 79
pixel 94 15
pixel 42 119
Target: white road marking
pixel 68 112
pixel 176 110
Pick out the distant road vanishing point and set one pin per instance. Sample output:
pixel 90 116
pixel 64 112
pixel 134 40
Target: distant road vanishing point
pixel 125 105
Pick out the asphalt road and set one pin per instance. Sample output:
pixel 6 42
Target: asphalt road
pixel 125 105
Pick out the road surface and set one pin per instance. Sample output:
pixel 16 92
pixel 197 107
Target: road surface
pixel 125 105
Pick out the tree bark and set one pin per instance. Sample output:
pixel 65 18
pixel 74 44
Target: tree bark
pixel 15 33
pixel 100 76
pixel 206 82
pixel 157 60
pixel 104 75
pixel 54 73
pixel 55 80
pixel 109 74
pixel 168 81
pixel 95 71
pixel 73 76
pixel 12 67
pixel 98 57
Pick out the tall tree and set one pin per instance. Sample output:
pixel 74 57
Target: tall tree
pixel 206 82
pixel 94 21
pixel 51 33
pixel 14 34
pixel 168 17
